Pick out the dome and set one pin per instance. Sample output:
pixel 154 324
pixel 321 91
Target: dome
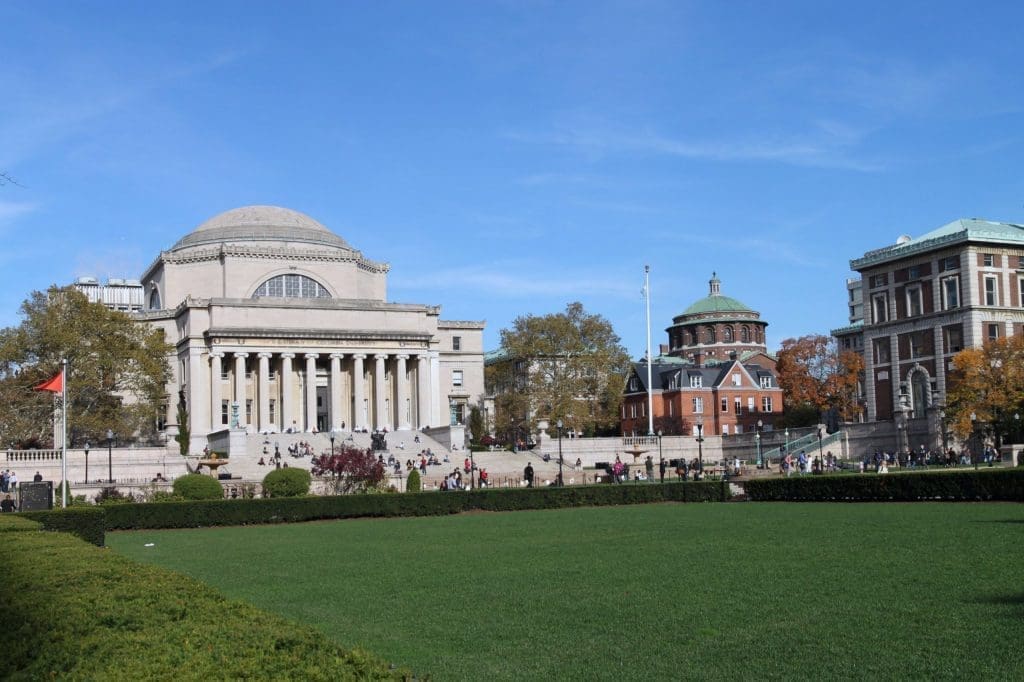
pixel 716 302
pixel 261 224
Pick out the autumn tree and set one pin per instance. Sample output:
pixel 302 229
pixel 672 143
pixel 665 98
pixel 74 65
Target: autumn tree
pixel 350 470
pixel 987 382
pixel 117 370
pixel 569 366
pixel 816 377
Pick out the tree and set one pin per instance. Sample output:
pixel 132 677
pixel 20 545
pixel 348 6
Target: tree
pixel 814 373
pixel 476 425
pixel 184 432
pixel 989 383
pixel 117 370
pixel 351 470
pixel 568 366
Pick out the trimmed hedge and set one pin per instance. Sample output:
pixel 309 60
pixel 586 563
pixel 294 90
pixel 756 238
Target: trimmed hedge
pixel 287 510
pixel 88 523
pixel 290 482
pixel 957 485
pixel 71 611
pixel 198 487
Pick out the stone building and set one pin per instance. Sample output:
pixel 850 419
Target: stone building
pixel 924 300
pixel 280 325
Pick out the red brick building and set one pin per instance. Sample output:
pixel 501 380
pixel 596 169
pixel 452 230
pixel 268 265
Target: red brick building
pixel 715 370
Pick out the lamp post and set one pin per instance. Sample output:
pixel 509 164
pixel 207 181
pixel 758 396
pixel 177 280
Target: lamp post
pixel 472 461
pixel 661 457
pixel 974 437
pixel 787 442
pixel 821 455
pixel 1016 427
pixel 761 464
pixel 561 481
pixel 110 457
pixel 700 446
pixel 86 461
pixel 332 445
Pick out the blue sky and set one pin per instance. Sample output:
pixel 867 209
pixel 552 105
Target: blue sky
pixel 510 157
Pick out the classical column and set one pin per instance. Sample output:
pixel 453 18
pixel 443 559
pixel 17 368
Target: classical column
pixel 423 391
pixel 286 391
pixel 240 387
pixel 215 381
pixel 380 415
pixel 311 391
pixel 263 390
pixel 402 381
pixel 436 417
pixel 359 392
pixel 336 391
pixel 198 418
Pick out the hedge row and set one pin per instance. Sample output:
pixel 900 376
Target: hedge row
pixel 281 510
pixel 72 611
pixel 958 485
pixel 87 523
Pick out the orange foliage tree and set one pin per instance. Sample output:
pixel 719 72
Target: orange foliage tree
pixel 987 382
pixel 814 373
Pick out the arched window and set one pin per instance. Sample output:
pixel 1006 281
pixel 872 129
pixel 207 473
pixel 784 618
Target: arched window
pixel 709 335
pixel 154 299
pixel 291 286
pixel 745 334
pixel 727 334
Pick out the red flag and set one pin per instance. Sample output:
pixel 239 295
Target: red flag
pixel 55 384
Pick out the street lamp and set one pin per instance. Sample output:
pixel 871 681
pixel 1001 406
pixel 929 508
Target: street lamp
pixel 332 445
pixel 761 464
pixel 1016 427
pixel 110 458
pixel 661 458
pixel 86 461
pixel 787 443
pixel 561 481
pixel 974 436
pixel 700 446
pixel 472 461
pixel 821 455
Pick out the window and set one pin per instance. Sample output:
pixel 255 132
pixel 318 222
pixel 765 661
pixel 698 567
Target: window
pixel 766 403
pixel 727 334
pixel 725 429
pixel 709 335
pixel 878 281
pixel 953 339
pixel 989 260
pixel 745 334
pixel 951 292
pixel 725 404
pixel 273 411
pixel 634 385
pixel 696 381
pixel 914 304
pixel 917 348
pixel 670 403
pixel 457 377
pixel 882 351
pixel 766 382
pixel 950 263
pixel 879 308
pixel 698 405
pixel 154 300
pixel 738 405
pixel 248 410
pixel 750 403
pixel 1020 262
pixel 992 330
pixel 1020 288
pixel 223 412
pixel 291 286
pixel 737 380
pixel 991 290
pixel 914 272
pixel 456 343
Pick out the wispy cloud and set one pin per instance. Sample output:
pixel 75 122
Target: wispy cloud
pixel 517 281
pixel 12 210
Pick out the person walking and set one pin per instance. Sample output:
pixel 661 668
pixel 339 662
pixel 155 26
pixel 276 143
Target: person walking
pixel 528 475
pixel 661 470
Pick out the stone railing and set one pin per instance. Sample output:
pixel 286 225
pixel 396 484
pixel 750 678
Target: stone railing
pixel 32 455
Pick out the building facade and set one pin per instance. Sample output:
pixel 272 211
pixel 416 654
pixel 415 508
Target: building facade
pixel 715 371
pixel 280 325
pixel 926 299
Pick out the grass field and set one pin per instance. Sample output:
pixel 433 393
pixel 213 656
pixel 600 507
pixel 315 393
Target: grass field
pixel 669 591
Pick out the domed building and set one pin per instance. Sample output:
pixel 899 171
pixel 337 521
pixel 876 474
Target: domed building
pixel 280 325
pixel 716 327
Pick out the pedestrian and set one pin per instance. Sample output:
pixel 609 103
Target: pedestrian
pixel 7 505
pixel 38 478
pixel 528 475
pixel 661 470
pixel 649 468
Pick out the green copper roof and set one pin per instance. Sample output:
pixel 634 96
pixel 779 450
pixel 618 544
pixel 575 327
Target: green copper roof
pixel 962 230
pixel 716 303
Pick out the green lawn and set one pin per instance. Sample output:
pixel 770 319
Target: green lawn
pixel 669 591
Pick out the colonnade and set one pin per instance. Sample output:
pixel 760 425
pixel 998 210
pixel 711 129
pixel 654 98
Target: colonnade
pixel 277 391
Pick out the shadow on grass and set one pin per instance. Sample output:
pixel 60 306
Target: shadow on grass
pixel 1000 521
pixel 1000 600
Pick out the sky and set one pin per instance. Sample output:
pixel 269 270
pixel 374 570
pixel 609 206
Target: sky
pixel 508 158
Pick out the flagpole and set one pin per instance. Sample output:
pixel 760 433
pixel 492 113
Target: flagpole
pixel 650 394
pixel 64 429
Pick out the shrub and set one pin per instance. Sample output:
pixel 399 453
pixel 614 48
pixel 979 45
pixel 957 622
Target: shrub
pixel 88 523
pixel 76 612
pixel 289 510
pixel 111 495
pixel 413 484
pixel 957 485
pixel 290 482
pixel 197 487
